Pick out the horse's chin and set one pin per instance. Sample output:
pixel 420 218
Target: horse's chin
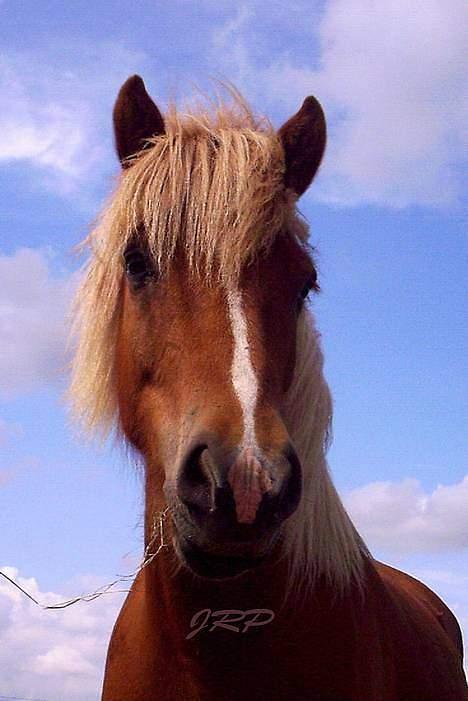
pixel 210 565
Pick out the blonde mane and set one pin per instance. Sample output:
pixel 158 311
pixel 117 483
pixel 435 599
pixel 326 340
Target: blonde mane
pixel 320 538
pixel 213 187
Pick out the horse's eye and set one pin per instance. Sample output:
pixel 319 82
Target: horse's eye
pixel 137 266
pixel 308 286
pixel 305 291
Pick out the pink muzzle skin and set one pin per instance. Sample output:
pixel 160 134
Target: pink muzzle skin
pixel 249 481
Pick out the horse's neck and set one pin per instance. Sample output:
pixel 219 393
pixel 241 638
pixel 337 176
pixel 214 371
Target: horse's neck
pixel 183 615
pixel 183 596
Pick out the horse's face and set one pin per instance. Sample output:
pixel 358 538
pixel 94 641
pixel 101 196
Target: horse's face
pixel 203 370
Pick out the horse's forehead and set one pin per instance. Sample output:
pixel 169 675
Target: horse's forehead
pixel 284 260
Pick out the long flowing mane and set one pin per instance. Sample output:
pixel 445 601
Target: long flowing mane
pixel 213 186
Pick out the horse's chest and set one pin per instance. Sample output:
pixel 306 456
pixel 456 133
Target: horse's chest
pixel 275 667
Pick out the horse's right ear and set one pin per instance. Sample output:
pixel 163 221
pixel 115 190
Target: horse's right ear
pixel 303 137
pixel 136 119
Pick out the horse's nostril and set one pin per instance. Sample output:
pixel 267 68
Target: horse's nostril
pixel 194 486
pixel 193 473
pixel 290 494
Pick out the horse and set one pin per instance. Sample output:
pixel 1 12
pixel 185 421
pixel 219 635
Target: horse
pixel 196 346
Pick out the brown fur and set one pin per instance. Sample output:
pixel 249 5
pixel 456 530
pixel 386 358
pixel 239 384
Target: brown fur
pixel 389 645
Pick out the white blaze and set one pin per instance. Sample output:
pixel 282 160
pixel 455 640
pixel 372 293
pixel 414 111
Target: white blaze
pixel 243 374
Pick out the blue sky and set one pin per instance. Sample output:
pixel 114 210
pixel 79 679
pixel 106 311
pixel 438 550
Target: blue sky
pixel 387 218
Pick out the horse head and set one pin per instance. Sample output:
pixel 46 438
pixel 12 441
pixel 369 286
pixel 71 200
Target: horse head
pixel 208 259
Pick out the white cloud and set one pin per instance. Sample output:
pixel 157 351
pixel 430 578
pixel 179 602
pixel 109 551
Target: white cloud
pixel 57 119
pixel 392 80
pixel 47 134
pixel 33 309
pixel 237 59
pixel 55 655
pixel 399 74
pixel 400 517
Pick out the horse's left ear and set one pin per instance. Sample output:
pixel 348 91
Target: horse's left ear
pixel 136 119
pixel 303 138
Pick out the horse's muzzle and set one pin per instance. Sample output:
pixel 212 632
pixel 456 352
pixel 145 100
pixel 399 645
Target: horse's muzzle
pixel 231 504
